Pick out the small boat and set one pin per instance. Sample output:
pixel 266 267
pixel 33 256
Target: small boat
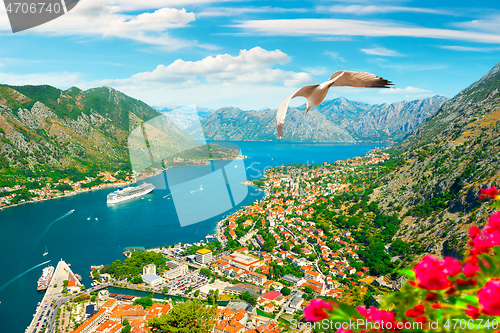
pixel 96 219
pixel 46 252
pixel 88 218
pixel 201 188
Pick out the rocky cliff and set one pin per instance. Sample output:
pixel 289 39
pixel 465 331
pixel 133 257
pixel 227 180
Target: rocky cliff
pixel 445 161
pixel 338 120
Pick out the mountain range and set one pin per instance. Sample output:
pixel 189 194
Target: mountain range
pixel 338 120
pixel 43 129
pixel 443 164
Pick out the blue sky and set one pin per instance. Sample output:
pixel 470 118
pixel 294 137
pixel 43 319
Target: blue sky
pixel 253 54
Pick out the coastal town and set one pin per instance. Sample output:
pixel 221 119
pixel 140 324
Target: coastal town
pixel 35 189
pixel 261 268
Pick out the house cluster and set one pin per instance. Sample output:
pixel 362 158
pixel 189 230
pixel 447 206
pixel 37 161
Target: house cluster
pixel 291 220
pixel 50 190
pixel 115 310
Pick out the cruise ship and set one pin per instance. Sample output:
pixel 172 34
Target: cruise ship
pixel 44 280
pixel 129 193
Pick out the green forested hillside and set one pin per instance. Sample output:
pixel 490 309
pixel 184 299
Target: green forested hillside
pixel 444 163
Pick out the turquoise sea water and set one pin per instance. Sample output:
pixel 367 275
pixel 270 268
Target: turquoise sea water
pixel 69 229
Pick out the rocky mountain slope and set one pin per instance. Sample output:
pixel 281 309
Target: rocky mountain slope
pixel 444 163
pixel 43 128
pixel 338 120
pixel 234 124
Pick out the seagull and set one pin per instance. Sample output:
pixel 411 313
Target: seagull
pixel 316 93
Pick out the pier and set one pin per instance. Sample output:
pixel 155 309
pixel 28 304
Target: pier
pixel 47 309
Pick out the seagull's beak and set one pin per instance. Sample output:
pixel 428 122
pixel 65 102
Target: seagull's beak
pixel 307 110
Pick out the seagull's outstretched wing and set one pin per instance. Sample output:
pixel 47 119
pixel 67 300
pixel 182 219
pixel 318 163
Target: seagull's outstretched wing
pixel 315 94
pixel 281 114
pixel 358 79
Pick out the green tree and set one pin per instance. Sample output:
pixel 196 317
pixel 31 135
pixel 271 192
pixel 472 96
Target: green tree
pixel 137 279
pixel 197 293
pixel 308 289
pixel 146 302
pixel 246 296
pixel 165 290
pixel 286 291
pixel 191 316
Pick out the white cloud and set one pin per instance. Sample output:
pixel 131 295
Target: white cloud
pixel 407 90
pixel 367 10
pixel 250 67
pixel 382 51
pixel 56 79
pixel 341 27
pixel 491 23
pixel 237 11
pixel 316 70
pixel 99 18
pixel 334 55
pixel 469 48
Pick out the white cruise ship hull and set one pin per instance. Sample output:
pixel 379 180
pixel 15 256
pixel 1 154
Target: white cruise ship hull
pixel 120 196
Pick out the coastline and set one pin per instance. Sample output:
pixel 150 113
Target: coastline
pixel 102 186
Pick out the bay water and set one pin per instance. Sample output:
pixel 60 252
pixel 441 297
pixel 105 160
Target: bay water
pixel 83 230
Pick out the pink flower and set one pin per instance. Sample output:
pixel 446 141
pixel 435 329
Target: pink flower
pixel 471 266
pixel 474 231
pixel 314 312
pixel 491 192
pixel 375 315
pixel 431 273
pixel 494 222
pixel 489 297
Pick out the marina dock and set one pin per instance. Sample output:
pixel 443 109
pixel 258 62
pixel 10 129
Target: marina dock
pixel 47 309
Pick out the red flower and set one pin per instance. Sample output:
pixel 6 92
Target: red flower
pixel 314 312
pixel 474 231
pixel 491 192
pixel 431 297
pixel 431 273
pixel 489 297
pixel 417 311
pixel 470 269
pixel 472 312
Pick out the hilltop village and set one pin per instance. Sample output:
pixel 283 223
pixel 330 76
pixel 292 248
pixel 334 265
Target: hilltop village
pixel 263 265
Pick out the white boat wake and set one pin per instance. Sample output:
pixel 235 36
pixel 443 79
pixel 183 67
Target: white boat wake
pixel 18 276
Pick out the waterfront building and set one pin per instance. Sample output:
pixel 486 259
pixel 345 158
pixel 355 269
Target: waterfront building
pixel 179 271
pixel 152 279
pixel 149 269
pixel 204 256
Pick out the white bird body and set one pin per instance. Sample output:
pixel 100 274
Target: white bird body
pixel 316 93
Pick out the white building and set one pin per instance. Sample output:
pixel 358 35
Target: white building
pixel 149 269
pixel 204 256
pixel 152 279
pixel 179 271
